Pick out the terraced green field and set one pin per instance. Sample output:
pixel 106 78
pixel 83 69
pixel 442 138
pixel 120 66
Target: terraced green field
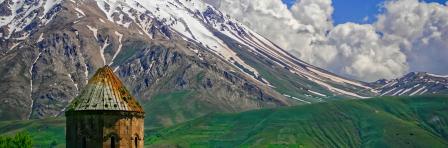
pixel 384 122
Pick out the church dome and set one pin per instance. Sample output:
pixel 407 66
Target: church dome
pixel 105 92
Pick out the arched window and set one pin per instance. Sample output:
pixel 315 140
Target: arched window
pixel 136 142
pixel 112 142
pixel 84 142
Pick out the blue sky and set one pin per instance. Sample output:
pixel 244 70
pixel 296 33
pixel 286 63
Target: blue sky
pixel 356 10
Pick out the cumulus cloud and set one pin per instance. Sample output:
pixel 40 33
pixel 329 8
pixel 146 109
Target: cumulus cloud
pixel 363 54
pixel 421 30
pixel 314 12
pixel 409 36
pixel 272 19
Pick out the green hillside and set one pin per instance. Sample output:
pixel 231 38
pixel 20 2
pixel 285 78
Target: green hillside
pixel 385 122
pixel 45 133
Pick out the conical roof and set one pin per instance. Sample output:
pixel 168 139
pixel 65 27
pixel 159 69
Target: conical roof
pixel 105 92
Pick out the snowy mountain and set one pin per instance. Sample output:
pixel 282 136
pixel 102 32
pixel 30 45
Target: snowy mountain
pixel 198 22
pixel 415 83
pixel 160 48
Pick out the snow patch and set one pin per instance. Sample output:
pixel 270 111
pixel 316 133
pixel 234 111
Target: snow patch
pixel 417 91
pixel 86 72
pixel 49 4
pixel 397 92
pixel 41 37
pixel 316 93
pixel 389 84
pixel 23 37
pixel 14 46
pixel 80 12
pixel 423 92
pixel 439 76
pixel 120 37
pixel 101 20
pixel 387 92
pixel 23 13
pixel 31 83
pixel 331 88
pixel 106 43
pixel 94 30
pixel 73 81
pixel 405 91
pixel 337 79
pixel 295 98
pixel 102 5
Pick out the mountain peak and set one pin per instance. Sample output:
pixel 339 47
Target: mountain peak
pixel 413 83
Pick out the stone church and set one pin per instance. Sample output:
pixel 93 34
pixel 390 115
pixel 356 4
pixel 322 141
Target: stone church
pixel 104 115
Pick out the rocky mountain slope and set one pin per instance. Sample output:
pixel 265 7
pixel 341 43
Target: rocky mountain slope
pixel 415 83
pixel 181 58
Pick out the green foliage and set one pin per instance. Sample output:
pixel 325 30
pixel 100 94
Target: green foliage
pixel 44 133
pixel 20 140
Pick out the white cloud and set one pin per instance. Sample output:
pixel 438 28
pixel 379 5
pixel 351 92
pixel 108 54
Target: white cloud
pixel 314 12
pixel 421 29
pixel 272 19
pixel 410 34
pixel 362 53
pixel 365 19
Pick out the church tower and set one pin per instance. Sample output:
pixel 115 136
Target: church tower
pixel 104 115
